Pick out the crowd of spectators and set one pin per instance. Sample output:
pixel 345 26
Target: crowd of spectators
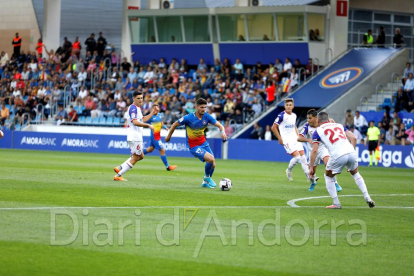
pixel 392 130
pixel 100 84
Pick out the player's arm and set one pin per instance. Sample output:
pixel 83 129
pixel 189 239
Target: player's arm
pixel 223 133
pixel 302 139
pixel 351 137
pixel 142 124
pixel 297 131
pixel 313 155
pixel 149 116
pixel 275 130
pixel 172 129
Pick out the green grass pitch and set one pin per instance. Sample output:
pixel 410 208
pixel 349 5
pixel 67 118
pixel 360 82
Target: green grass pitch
pixel 199 236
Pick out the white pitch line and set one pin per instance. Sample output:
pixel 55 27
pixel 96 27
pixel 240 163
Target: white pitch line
pixel 292 202
pixel 187 207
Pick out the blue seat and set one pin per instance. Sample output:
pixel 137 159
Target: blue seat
pixel 109 120
pixel 88 120
pixel 81 120
pixel 387 103
pixel 95 121
pixel 17 127
pixel 117 121
pixel 102 120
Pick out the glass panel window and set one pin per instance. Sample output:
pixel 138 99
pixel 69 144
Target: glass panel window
pixel 363 15
pixel 232 28
pixel 382 17
pixel 196 29
pixel 169 29
pixel 316 25
pixel 146 31
pixel 402 18
pixel 291 27
pixel 361 27
pixel 261 27
pixel 215 36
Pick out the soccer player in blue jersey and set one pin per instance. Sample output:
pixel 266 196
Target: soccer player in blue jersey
pixel 195 125
pixel 155 140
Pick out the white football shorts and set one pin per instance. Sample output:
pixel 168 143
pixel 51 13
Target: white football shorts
pixel 350 161
pixel 322 153
pixel 293 146
pixel 136 147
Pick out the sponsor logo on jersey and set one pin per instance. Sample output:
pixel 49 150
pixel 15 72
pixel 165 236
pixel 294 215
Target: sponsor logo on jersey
pixel 341 77
pixel 38 141
pixel 80 143
pixel 118 144
pixel 289 126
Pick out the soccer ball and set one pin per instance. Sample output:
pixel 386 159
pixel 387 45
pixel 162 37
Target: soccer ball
pixel 225 184
pixel 1 134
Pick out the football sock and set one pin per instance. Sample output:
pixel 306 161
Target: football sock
pixel 293 162
pixel 361 185
pixel 376 160
pixel 145 151
pixel 207 169
pixel 126 166
pixel 211 172
pixel 165 161
pixel 304 163
pixel 334 178
pixel 370 159
pixel 330 186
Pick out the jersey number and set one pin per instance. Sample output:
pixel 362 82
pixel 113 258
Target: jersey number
pixel 333 132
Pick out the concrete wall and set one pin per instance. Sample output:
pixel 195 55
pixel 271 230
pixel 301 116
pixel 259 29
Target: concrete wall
pixel 351 99
pixel 403 6
pixel 18 17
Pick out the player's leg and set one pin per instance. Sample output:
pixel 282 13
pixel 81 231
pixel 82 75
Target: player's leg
pixel 352 166
pixel 304 162
pixel 204 156
pixel 209 168
pixel 160 147
pixel 136 155
pixel 325 161
pixel 333 167
pixel 292 163
pixel 149 150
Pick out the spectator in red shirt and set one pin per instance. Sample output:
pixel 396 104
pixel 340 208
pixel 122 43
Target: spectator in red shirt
pixel 270 92
pixel 73 116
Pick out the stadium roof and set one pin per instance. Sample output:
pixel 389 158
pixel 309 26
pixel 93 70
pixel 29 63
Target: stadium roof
pixel 230 3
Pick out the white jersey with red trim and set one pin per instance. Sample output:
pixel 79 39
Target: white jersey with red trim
pixel 134 133
pixel 287 126
pixel 332 135
pixel 308 132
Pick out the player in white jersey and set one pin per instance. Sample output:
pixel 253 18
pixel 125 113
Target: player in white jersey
pixel 306 136
pixel 135 123
pixel 340 143
pixel 287 133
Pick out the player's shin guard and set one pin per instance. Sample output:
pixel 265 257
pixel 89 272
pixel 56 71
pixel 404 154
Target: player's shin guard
pixel 330 186
pixel 126 166
pixel 370 159
pixel 211 172
pixel 207 169
pixel 165 161
pixel 361 185
pixel 293 162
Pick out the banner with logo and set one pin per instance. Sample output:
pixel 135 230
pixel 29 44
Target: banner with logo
pixel 341 76
pixel 259 150
pixel 97 143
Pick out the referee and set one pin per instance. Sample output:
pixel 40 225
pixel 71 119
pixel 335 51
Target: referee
pixel 373 136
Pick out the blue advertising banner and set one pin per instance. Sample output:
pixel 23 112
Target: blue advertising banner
pixel 406 118
pixel 341 76
pixel 259 150
pixel 96 143
pixel 6 141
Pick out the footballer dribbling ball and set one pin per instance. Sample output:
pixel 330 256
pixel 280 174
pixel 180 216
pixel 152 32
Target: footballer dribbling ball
pixel 225 184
